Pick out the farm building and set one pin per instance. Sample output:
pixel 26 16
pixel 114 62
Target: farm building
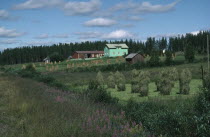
pixel 114 50
pixel 87 54
pixel 46 60
pixel 134 58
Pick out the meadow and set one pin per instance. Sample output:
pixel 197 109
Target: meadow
pixel 70 100
pixel 29 108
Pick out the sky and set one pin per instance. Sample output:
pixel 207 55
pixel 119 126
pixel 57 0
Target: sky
pixel 46 22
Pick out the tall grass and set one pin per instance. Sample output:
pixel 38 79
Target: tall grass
pixel 32 109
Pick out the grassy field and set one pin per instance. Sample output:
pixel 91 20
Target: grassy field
pixel 124 96
pixel 78 81
pixel 32 109
pixel 29 108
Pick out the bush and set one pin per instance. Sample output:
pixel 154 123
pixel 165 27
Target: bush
pixel 111 81
pixel 120 81
pixel 206 83
pixel 56 57
pixel 100 78
pixel 29 71
pixel 202 107
pixel 154 60
pixel 184 81
pixel 143 83
pixel 98 93
pixel 156 115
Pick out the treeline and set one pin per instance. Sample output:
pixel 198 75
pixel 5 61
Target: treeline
pixel 38 53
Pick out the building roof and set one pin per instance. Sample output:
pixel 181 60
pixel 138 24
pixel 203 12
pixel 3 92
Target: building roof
pixel 45 59
pixel 113 46
pixel 90 52
pixel 131 55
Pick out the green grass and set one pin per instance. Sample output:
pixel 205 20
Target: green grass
pixel 32 109
pixel 124 96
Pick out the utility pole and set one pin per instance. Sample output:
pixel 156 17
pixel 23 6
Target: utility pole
pixel 208 50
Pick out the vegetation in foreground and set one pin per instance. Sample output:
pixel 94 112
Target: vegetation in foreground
pixel 153 114
pixel 31 109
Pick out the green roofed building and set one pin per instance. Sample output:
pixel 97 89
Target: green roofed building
pixel 114 50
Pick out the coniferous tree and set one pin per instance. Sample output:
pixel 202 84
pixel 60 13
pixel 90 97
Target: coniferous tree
pixel 189 53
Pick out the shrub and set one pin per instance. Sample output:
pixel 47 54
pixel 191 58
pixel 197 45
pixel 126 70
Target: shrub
pixel 111 81
pixel 100 78
pixel 56 57
pixel 165 83
pixel 154 60
pixel 29 71
pixel 168 60
pixel 202 107
pixel 144 83
pixel 206 83
pixel 156 115
pixel 120 81
pixel 184 81
pixel 97 93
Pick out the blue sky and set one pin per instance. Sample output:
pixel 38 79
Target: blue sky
pixel 36 22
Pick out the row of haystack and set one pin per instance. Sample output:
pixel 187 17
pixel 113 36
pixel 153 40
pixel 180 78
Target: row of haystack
pixel 114 79
pixel 140 80
pixel 52 68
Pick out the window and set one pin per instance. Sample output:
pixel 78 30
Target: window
pixel 113 53
pixel 118 53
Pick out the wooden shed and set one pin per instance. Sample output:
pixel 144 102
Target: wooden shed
pixel 46 60
pixel 133 58
pixel 87 54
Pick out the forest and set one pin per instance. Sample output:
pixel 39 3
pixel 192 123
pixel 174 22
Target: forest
pixel 35 53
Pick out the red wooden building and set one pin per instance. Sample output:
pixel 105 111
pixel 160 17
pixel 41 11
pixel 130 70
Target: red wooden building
pixel 87 54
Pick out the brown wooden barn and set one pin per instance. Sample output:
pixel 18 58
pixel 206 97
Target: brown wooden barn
pixel 87 54
pixel 134 58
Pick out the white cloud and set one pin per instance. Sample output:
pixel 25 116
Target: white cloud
pixel 60 36
pixel 38 43
pixel 167 35
pixel 9 33
pixel 9 41
pixel 70 8
pixel 147 7
pixel 42 36
pixel 144 7
pixel 195 32
pixel 118 34
pixel 100 22
pixel 88 35
pixel 82 8
pixel 127 25
pixel 4 14
pixel 135 18
pixel 35 4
